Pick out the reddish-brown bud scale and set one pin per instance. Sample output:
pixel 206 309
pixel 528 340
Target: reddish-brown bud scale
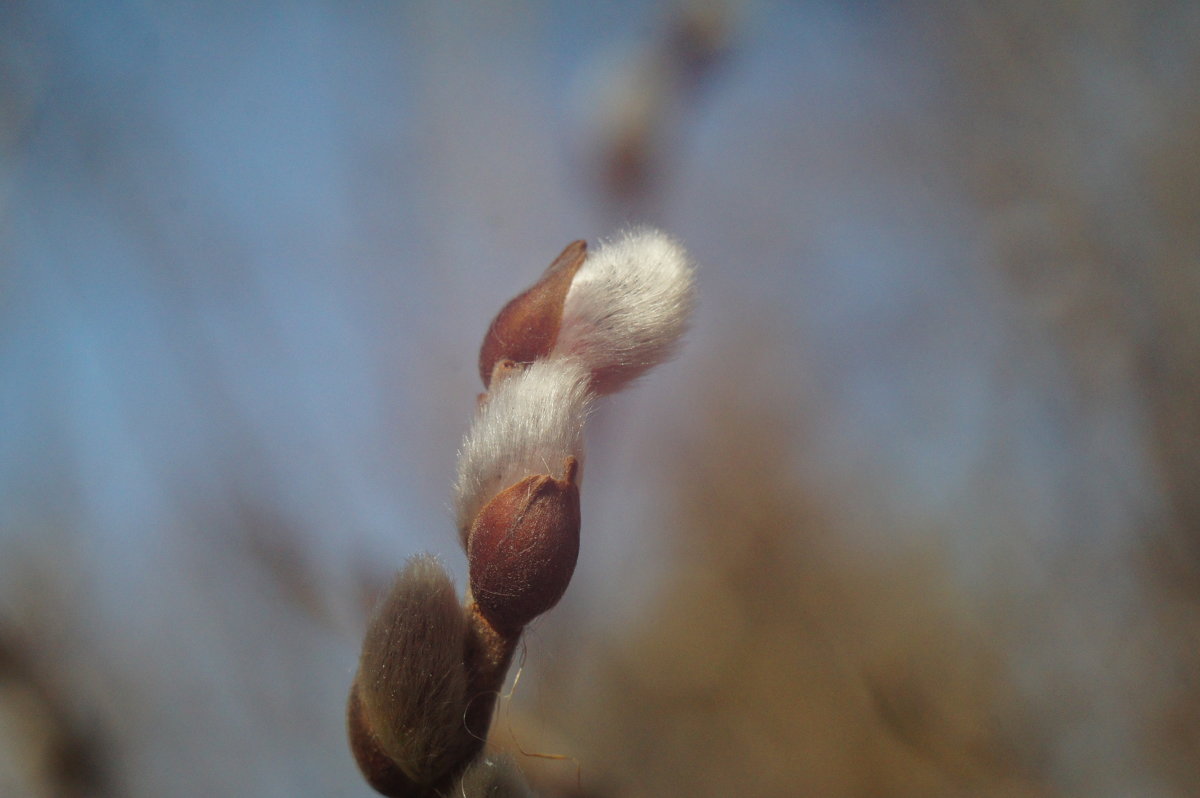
pixel 527 327
pixel 522 548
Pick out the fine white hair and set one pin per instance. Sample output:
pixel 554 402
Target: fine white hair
pixel 529 423
pixel 627 308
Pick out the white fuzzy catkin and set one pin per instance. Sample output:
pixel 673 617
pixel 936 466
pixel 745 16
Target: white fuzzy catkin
pixel 531 421
pixel 627 308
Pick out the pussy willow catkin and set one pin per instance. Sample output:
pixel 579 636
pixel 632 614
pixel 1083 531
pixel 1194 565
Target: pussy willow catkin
pixel 431 668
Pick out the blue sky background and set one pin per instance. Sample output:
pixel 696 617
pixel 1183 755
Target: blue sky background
pixel 248 251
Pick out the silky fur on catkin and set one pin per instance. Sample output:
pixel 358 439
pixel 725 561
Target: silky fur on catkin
pixel 627 308
pixel 411 679
pixel 530 423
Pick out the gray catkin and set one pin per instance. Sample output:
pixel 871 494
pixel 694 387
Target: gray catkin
pixel 412 682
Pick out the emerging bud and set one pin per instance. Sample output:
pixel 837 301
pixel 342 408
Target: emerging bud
pixel 410 693
pixel 525 330
pixel 523 546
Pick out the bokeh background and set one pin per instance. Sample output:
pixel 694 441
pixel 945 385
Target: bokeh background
pixel 916 512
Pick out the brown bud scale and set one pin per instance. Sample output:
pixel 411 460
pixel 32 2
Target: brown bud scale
pixel 522 548
pixel 526 329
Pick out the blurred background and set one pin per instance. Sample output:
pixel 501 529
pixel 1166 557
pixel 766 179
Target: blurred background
pixel 916 513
